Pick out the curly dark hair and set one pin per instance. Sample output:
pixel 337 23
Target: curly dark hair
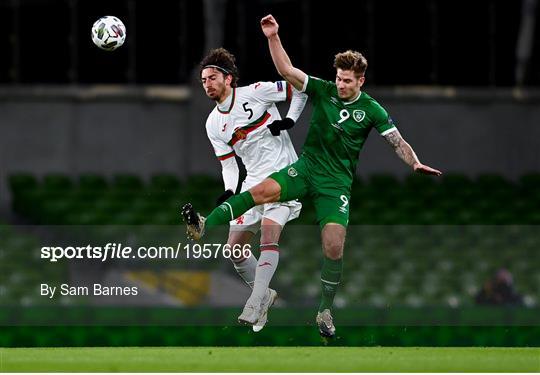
pixel 351 60
pixel 222 60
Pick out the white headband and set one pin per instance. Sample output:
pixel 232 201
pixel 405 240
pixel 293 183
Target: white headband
pixel 218 68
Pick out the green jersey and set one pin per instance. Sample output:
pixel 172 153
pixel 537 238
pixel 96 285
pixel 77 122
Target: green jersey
pixel 338 131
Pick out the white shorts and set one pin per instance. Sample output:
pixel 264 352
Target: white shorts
pixel 280 212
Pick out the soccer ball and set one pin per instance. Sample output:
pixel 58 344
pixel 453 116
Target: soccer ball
pixel 108 33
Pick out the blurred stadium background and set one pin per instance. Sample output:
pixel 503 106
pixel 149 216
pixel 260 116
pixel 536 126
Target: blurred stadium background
pixel 103 140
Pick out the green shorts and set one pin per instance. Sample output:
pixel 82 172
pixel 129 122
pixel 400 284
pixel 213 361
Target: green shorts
pixel 331 203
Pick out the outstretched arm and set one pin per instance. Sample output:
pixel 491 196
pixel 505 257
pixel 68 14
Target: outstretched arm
pixel 281 60
pixel 406 153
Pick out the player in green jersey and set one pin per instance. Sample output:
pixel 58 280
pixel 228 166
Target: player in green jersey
pixel 342 118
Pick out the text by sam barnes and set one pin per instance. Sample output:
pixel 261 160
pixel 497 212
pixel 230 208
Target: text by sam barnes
pixel 94 290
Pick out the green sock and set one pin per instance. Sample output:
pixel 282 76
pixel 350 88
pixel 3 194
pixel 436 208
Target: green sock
pixel 330 278
pixel 229 210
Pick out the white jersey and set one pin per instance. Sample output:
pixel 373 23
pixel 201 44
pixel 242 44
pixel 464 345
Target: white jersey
pixel 238 127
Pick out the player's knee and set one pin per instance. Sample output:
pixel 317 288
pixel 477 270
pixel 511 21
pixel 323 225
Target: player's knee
pixel 333 239
pixel 258 192
pixel 333 250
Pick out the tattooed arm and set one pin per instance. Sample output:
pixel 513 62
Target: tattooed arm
pixel 406 153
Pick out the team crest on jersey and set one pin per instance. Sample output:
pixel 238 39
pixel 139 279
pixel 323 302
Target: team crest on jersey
pixel 240 134
pixel 292 172
pixel 358 115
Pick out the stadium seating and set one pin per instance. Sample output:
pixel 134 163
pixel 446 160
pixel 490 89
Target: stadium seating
pixel 381 199
pixel 418 241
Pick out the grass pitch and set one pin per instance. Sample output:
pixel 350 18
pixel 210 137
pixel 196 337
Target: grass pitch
pixel 269 359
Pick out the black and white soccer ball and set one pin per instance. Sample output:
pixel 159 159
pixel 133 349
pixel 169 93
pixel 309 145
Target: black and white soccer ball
pixel 108 33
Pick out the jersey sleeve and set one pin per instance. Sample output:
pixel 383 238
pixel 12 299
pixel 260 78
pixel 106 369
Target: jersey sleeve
pixel 230 174
pixel 316 87
pixel 222 150
pixel 272 92
pixel 382 121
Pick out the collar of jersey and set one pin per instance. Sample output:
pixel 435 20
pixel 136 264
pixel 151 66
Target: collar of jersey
pixel 354 100
pixel 230 99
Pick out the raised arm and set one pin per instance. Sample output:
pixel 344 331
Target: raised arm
pixel 406 153
pixel 281 60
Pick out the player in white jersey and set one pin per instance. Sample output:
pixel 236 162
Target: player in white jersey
pixel 246 123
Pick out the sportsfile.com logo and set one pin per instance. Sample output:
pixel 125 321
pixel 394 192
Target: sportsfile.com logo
pixel 109 251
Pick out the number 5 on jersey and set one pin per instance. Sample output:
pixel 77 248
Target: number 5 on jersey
pixel 247 109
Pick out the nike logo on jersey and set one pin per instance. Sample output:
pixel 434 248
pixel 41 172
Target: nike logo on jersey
pixel 224 127
pixel 265 264
pixel 257 85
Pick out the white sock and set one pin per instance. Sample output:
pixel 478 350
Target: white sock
pixel 266 266
pixel 246 269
